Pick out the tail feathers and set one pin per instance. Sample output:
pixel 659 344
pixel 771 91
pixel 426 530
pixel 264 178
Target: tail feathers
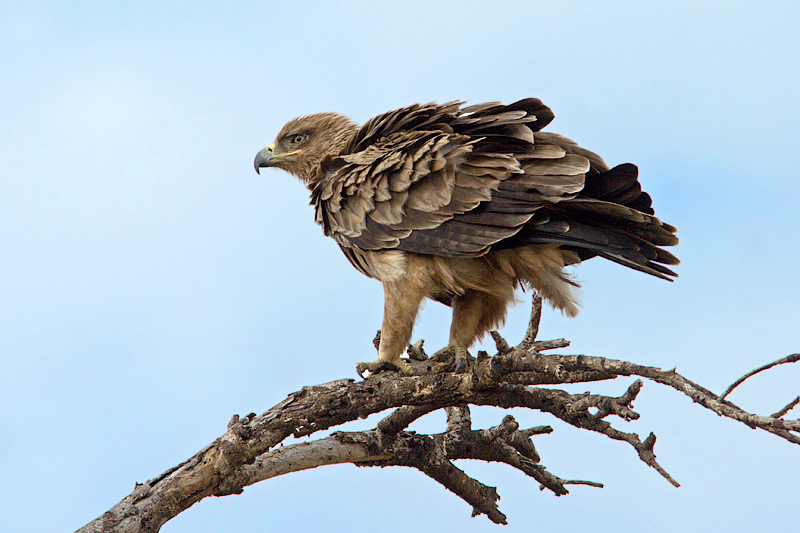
pixel 654 269
pixel 611 216
pixel 620 185
pixel 598 237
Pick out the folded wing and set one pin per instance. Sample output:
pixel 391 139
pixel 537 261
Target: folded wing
pixel 460 182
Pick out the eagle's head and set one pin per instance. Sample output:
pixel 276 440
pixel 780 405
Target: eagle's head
pixel 304 142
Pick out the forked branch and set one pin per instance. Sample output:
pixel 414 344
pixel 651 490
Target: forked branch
pixel 247 453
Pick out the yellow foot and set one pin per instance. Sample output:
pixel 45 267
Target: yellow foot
pixel 380 365
pixel 453 349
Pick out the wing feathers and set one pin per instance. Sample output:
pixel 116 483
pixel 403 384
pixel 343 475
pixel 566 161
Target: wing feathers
pixel 458 182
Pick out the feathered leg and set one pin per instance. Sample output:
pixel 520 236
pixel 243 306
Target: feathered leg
pixel 474 314
pixel 402 300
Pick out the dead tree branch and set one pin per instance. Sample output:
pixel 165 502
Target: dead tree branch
pixel 793 358
pixel 248 452
pixel 788 407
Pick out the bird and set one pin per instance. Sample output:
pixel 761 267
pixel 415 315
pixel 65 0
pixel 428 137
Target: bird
pixel 464 205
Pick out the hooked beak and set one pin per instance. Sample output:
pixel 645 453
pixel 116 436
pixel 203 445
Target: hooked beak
pixel 264 158
pixel 268 158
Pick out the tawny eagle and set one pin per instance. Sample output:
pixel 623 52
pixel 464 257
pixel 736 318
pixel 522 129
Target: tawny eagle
pixel 463 205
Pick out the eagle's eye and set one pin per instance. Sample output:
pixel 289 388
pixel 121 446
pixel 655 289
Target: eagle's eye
pixel 298 139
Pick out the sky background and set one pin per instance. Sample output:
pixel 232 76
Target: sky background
pixel 152 285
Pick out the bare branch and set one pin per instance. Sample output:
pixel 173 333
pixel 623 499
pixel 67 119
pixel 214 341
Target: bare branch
pixel 505 428
pixel 246 453
pixel 562 363
pixel 558 403
pixel 415 351
pixel 459 419
pixel 501 344
pixel 402 417
pixel 540 346
pixel 606 405
pixel 538 430
pixel 303 456
pixel 580 482
pixel 533 323
pixel 789 406
pixel 793 358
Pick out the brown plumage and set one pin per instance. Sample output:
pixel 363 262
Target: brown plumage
pixel 463 205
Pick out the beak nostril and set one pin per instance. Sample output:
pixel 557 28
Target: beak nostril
pixel 264 158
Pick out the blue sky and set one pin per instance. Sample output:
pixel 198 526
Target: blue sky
pixel 152 285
